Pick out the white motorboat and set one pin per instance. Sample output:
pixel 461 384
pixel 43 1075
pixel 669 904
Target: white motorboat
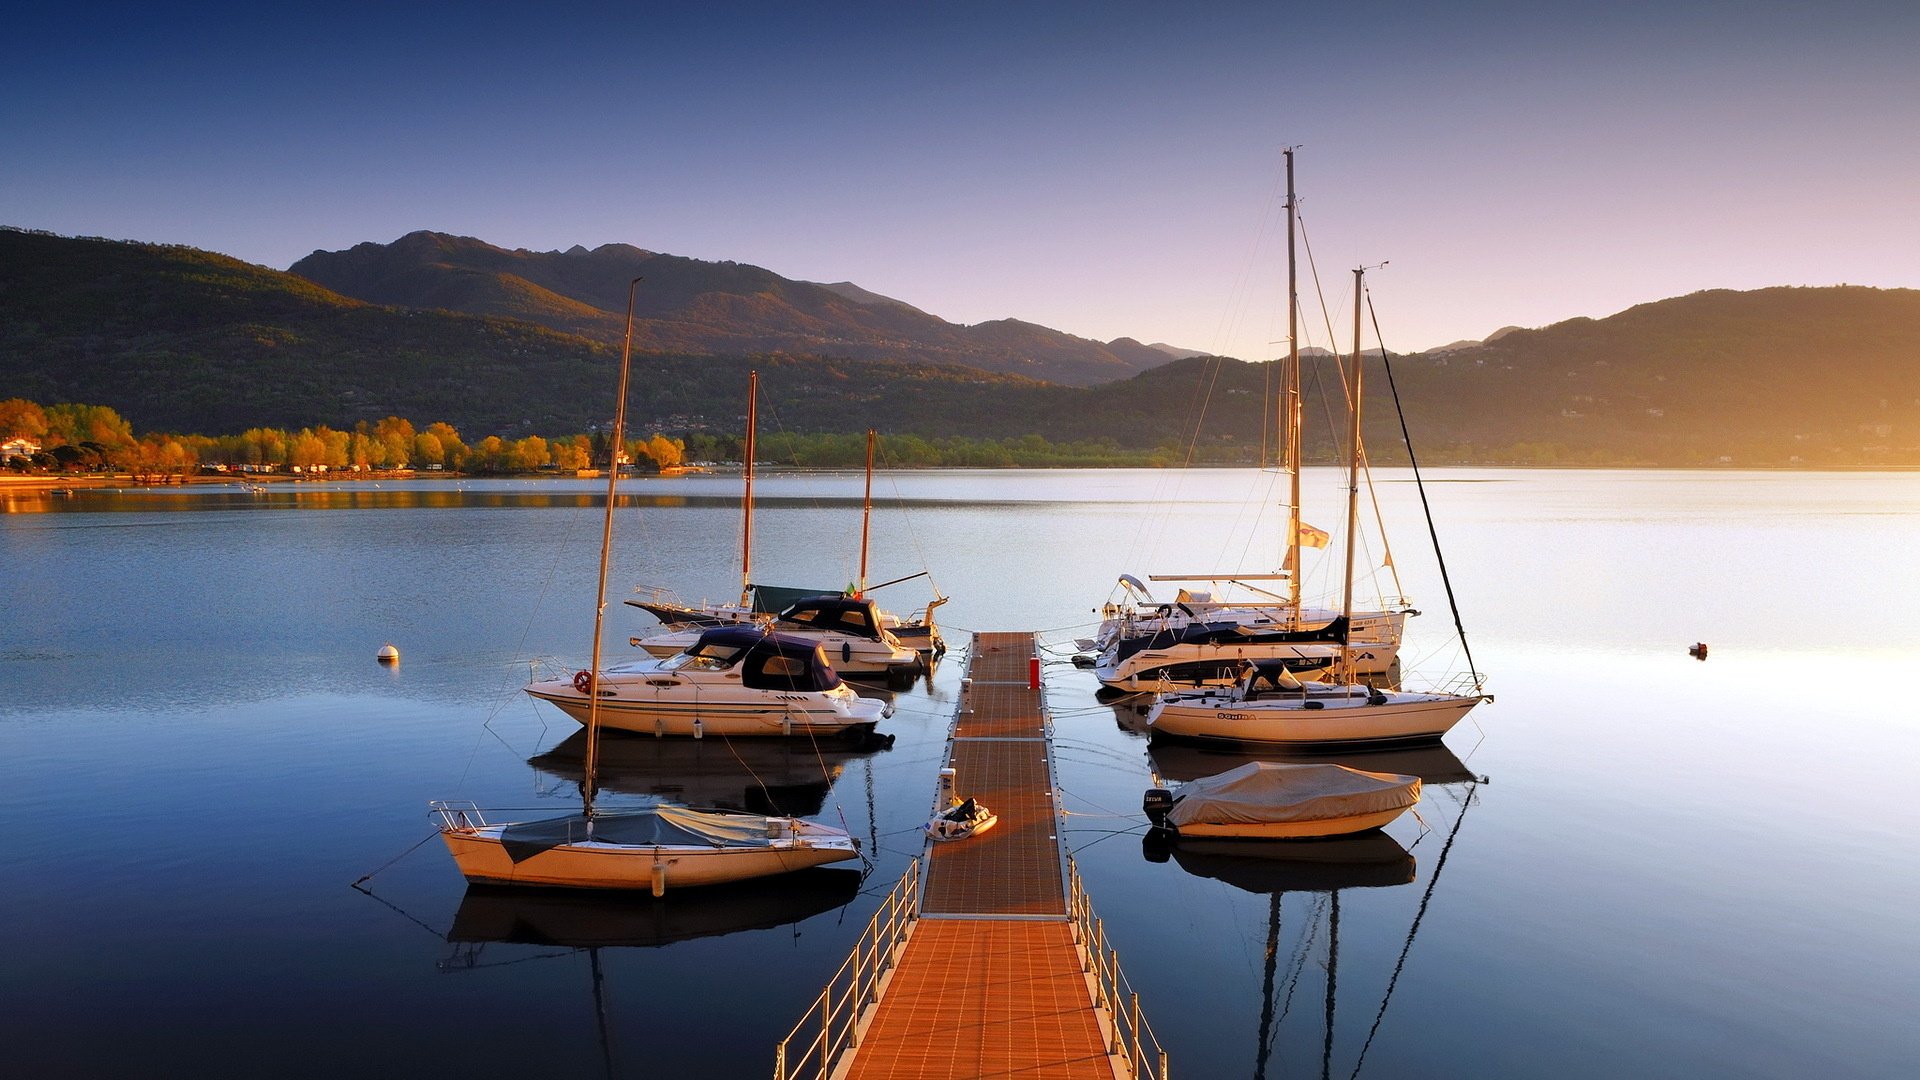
pixel 649 847
pixel 849 630
pixel 1266 800
pixel 729 680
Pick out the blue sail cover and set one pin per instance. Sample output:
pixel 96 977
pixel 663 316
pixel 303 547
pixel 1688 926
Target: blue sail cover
pixel 1228 633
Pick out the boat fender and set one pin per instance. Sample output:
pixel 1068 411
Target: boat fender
pixel 699 729
pixel 846 652
pixel 583 681
pixel 1313 704
pixel 659 879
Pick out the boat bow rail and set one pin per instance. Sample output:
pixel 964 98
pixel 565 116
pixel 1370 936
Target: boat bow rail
pixel 457 816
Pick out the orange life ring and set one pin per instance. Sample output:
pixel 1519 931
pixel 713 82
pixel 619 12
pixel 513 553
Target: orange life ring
pixel 583 681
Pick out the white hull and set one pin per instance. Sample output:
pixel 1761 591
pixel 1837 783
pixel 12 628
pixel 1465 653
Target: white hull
pixel 1345 720
pixel 483 859
pixel 625 705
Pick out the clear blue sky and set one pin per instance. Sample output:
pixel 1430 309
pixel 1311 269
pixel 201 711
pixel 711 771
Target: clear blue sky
pixel 1106 169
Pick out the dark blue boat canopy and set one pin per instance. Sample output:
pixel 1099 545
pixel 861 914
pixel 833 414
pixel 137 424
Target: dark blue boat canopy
pixel 842 614
pixel 767 661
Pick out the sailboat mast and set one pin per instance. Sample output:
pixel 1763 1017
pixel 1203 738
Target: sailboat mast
pixel 866 516
pixel 1353 478
pixel 1290 390
pixel 746 501
pixel 614 451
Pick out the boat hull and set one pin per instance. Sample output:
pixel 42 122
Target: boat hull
pixel 483 859
pixel 1355 723
pixel 700 718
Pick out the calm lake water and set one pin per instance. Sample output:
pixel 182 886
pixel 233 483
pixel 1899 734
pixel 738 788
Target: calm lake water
pixel 1672 868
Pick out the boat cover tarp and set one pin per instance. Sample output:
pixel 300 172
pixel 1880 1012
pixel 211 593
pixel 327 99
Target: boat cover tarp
pixel 660 826
pixel 1266 791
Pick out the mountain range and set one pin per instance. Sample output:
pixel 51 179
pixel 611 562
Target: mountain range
pixel 186 340
pixel 691 306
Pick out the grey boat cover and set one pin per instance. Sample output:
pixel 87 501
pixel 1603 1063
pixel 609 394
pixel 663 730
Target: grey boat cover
pixel 658 826
pixel 1266 791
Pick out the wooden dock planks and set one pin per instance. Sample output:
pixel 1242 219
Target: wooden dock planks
pixel 991 982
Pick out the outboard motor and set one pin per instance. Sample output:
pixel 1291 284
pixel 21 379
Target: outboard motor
pixel 1157 803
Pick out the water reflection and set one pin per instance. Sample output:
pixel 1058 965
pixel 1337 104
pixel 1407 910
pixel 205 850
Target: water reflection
pixel 1324 869
pixel 763 776
pixel 1368 861
pixel 572 919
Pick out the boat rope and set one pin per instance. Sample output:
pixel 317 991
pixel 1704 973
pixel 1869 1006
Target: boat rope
pixel 398 910
pixel 1424 505
pixel 369 874
pixel 1439 865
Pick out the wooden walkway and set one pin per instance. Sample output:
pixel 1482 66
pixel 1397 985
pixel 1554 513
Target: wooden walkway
pixel 991 982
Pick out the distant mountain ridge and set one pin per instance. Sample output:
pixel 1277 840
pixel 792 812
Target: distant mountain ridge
pixel 186 340
pixel 697 307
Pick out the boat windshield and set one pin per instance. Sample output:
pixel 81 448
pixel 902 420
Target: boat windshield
pixel 704 656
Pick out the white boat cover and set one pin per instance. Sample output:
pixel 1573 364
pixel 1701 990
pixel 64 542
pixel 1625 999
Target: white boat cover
pixel 659 826
pixel 1267 791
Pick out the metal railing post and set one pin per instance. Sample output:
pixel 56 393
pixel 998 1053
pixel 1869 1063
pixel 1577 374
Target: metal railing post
pixel 1133 1030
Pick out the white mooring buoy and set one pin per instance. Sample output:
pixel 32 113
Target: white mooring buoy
pixel 389 654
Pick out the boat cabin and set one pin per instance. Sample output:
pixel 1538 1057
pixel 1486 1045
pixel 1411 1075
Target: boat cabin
pixel 835 614
pixel 765 661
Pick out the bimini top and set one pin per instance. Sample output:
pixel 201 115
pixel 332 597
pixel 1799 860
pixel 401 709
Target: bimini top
pixel 841 614
pixel 766 661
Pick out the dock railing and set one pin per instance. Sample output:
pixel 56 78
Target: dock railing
pixel 832 1022
pixel 1131 1039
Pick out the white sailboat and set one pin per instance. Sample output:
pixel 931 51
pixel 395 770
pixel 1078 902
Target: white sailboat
pixel 1270 707
pixel 1199 639
pixel 654 847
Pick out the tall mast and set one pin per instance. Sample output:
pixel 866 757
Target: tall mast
pixel 1290 393
pixel 1353 478
pixel 746 501
pixel 592 775
pixel 866 516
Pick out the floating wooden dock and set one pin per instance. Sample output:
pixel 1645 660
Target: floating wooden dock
pixel 989 962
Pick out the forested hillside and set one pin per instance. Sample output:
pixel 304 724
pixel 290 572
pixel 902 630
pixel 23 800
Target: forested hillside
pixel 182 340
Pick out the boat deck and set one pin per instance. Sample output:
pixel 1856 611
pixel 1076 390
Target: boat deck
pixel 992 982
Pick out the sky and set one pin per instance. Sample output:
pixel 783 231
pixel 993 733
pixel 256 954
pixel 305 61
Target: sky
pixel 1108 169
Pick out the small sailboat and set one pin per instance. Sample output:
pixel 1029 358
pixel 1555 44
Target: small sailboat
pixel 758 602
pixel 1271 707
pixel 1266 800
pixel 729 680
pixel 654 847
